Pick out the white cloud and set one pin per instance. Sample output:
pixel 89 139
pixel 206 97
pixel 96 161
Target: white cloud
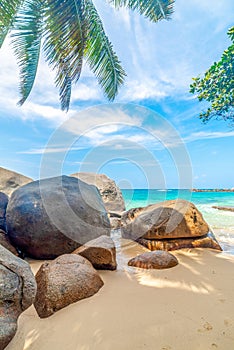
pixel 100 117
pixel 203 135
pixel 49 150
pixel 145 89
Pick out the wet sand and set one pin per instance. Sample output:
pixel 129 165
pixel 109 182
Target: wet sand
pixel 188 307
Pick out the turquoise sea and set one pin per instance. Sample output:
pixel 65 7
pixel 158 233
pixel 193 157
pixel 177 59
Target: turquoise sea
pixel 220 221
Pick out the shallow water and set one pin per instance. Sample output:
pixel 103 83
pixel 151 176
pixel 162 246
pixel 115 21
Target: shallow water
pixel 221 222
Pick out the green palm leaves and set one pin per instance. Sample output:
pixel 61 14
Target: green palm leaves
pixel 68 31
pixel 155 10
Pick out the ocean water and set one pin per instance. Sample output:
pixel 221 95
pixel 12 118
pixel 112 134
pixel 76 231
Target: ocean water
pixel 221 222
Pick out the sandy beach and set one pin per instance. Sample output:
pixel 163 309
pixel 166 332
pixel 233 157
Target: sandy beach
pixel 187 307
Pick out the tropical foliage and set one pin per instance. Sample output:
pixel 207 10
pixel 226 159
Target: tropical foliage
pixel 68 31
pixel 217 86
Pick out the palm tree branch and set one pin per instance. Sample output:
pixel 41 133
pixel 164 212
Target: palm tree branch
pixel 64 44
pixel 154 10
pixel 8 10
pixel 27 35
pixel 100 55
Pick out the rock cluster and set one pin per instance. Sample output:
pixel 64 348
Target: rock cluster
pixel 168 225
pixel 17 293
pixel 66 218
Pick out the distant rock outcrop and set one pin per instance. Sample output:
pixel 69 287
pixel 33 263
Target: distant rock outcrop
pixel 10 181
pixel 213 190
pixel 167 226
pixel 223 208
pixel 100 252
pixel 64 281
pixel 17 293
pixel 154 260
pixel 110 192
pixel 55 216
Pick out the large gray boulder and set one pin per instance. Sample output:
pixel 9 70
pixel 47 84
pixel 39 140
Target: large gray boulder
pixel 64 281
pixel 167 220
pixel 17 293
pixel 55 216
pixel 3 205
pixel 110 192
pixel 10 181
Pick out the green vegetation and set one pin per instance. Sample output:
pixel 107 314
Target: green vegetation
pixel 68 31
pixel 217 86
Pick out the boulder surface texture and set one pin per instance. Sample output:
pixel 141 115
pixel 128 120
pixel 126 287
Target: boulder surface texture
pixel 54 216
pixel 17 293
pixel 5 242
pixel 63 281
pixel 3 206
pixel 100 252
pixel 110 192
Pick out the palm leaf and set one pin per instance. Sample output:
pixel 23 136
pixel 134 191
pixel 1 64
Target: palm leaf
pixel 27 43
pixel 64 44
pixel 155 10
pixel 8 10
pixel 100 55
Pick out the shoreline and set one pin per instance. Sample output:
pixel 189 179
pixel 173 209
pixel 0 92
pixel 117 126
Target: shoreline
pixel 189 306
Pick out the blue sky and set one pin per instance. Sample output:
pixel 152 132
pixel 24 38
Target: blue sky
pixel 151 136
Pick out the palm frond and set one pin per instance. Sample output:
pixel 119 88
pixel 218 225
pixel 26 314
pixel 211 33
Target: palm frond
pixel 27 43
pixel 65 33
pixel 154 10
pixel 8 10
pixel 100 55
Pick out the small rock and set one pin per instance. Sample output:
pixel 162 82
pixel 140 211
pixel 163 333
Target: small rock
pixel 63 281
pixel 100 252
pixel 154 260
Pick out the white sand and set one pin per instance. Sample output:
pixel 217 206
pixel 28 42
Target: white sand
pixel 188 307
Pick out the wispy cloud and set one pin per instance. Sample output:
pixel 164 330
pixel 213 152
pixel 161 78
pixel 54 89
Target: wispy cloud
pixel 50 150
pixel 203 135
